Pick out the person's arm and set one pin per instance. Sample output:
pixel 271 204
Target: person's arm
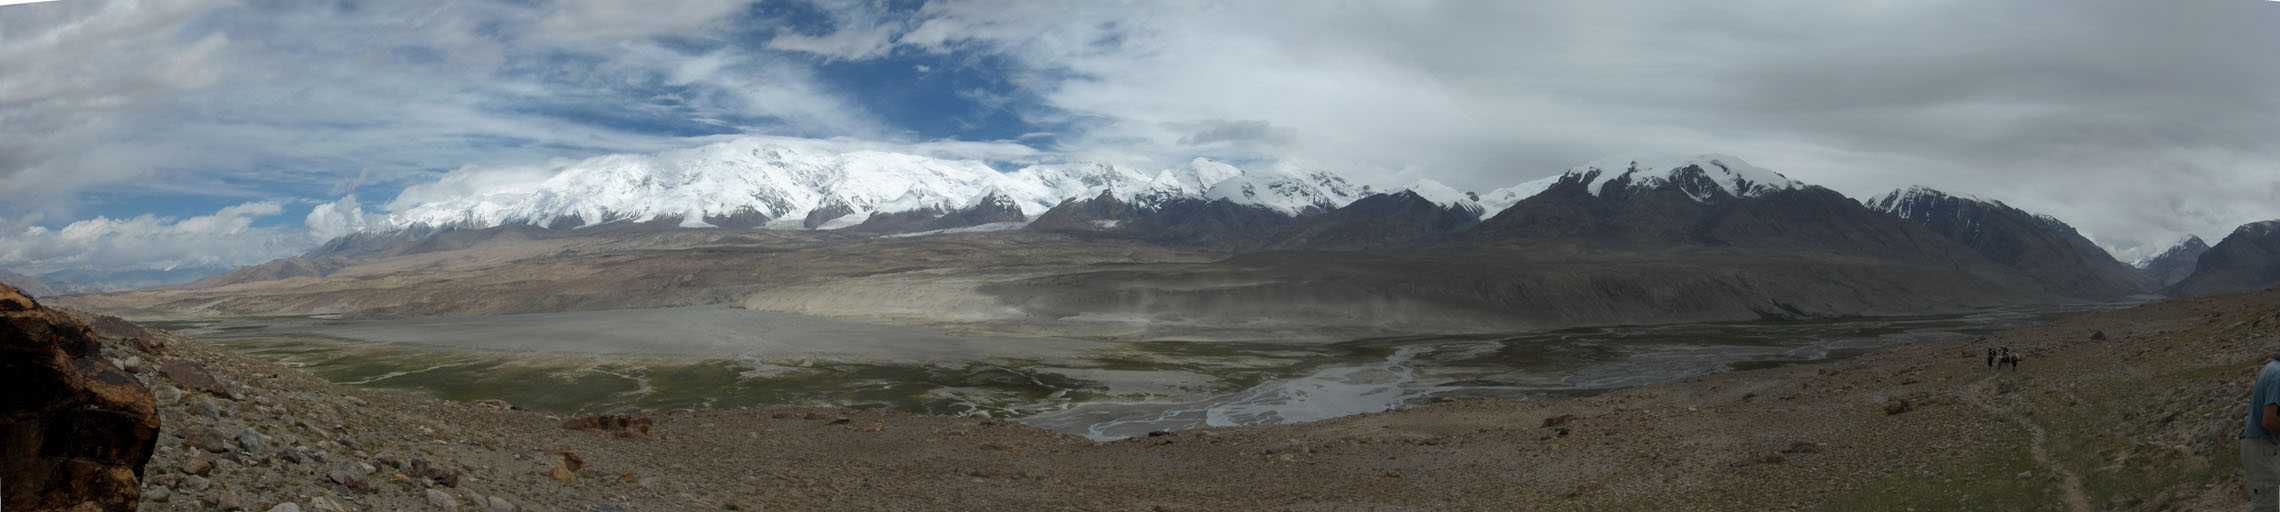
pixel 2271 418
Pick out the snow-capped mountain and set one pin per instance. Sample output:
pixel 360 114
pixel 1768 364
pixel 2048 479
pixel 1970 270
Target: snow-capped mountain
pixel 1288 189
pixel 2175 264
pixel 2248 259
pixel 782 183
pixel 2039 246
pixel 1496 201
pixel 1446 196
pixel 759 182
pixel 1697 176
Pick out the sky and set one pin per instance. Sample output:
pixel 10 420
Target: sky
pixel 197 134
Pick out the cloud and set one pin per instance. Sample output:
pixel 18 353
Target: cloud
pixel 2137 122
pixel 222 239
pixel 612 20
pixel 855 44
pixel 270 99
pixel 76 72
pixel 1203 133
pixel 341 217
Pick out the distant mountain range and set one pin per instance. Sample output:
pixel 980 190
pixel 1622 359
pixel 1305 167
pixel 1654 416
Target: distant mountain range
pixel 1706 237
pixel 746 183
pixel 71 281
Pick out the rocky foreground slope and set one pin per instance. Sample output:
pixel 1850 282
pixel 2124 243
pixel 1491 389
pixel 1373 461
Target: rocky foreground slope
pixel 2132 409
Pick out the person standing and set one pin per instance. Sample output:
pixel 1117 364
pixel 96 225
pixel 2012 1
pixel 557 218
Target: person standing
pixel 2259 447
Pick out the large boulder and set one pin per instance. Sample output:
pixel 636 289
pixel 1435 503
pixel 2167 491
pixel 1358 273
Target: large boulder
pixel 74 430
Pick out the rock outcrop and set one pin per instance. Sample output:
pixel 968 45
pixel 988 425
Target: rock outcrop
pixel 75 430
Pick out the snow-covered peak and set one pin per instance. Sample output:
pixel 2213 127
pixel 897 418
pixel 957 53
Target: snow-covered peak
pixel 1197 176
pixel 795 185
pixel 1913 202
pixel 1736 177
pixel 1289 189
pixel 1496 201
pixel 2264 228
pixel 1446 196
pixel 2189 245
pixel 1085 179
pixel 779 181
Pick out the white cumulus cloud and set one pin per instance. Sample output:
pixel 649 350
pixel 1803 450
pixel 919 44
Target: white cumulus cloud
pixel 225 238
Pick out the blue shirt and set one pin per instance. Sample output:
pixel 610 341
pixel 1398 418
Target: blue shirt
pixel 2266 392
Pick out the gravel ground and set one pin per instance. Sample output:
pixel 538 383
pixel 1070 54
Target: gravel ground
pixel 2122 410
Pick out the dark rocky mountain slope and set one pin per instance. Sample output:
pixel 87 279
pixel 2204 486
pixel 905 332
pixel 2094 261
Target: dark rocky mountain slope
pixel 2036 246
pixel 1701 240
pixel 1219 224
pixel 2247 259
pixel 992 208
pixel 1394 221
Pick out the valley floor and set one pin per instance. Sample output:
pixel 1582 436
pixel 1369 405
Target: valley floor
pixel 2132 409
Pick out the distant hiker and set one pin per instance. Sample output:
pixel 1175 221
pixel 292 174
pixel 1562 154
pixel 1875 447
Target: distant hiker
pixel 2259 451
pixel 2004 358
pixel 1990 357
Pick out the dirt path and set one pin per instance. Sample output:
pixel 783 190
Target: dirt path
pixel 2069 483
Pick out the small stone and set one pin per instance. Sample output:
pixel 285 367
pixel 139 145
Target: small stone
pixel 198 465
pixel 167 395
pixel 206 406
pixel 2098 335
pixel 498 504
pixel 442 501
pixel 616 425
pixel 285 507
pixel 226 501
pixel 349 476
pixel 437 475
pixel 324 504
pixel 251 440
pixel 1802 447
pixel 191 375
pixel 159 494
pixel 195 483
pixel 1894 406
pixel 1558 421
pixel 209 440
